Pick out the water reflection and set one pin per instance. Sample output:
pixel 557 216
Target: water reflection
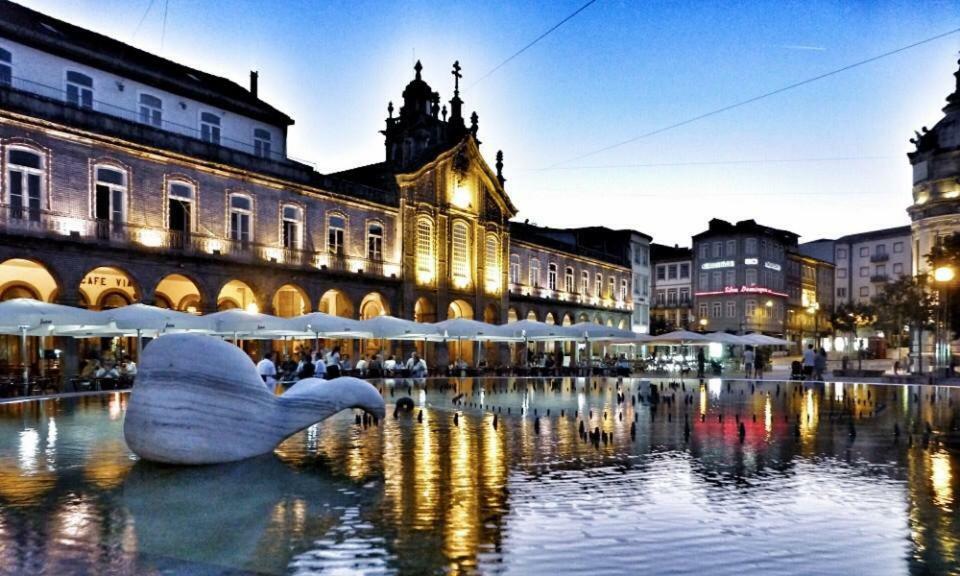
pixel 754 477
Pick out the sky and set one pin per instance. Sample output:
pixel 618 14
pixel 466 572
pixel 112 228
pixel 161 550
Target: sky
pixel 823 160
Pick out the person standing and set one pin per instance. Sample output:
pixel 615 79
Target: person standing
pixel 333 363
pixel 759 364
pixel 268 370
pixel 809 361
pixel 748 360
pixel 701 362
pixel 820 365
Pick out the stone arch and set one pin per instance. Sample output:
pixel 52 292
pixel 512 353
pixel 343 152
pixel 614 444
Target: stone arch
pixel 290 300
pixel 237 294
pixel 567 320
pixel 531 314
pixel 107 287
pixel 610 322
pixel 598 319
pixel 550 319
pixel 178 292
pixel 491 315
pixel 584 317
pixel 336 303
pixel 20 275
pixel 512 315
pixel 624 325
pixel 424 310
pixel 459 309
pixel 373 305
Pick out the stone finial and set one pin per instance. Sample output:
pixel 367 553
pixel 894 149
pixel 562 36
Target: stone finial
pixel 390 109
pixel 500 167
pixel 417 68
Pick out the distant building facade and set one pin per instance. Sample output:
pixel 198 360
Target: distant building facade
pixel 672 306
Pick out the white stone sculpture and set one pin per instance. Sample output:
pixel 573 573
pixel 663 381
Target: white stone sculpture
pixel 199 400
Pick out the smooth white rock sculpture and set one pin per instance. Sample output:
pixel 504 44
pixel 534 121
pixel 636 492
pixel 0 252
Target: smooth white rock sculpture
pixel 199 400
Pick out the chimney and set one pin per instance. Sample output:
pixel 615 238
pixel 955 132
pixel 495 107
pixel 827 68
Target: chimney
pixel 254 76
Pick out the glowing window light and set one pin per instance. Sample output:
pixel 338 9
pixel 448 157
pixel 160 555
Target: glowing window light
pixel 150 238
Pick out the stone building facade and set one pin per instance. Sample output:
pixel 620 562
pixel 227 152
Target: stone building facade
pixel 130 178
pixel 672 306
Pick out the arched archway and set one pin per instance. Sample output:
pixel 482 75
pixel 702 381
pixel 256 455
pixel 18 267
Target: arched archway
pixel 336 303
pixel 20 278
pixel 610 322
pixel 532 315
pixel 549 319
pixel 512 315
pixel 584 317
pixel 567 320
pixel 624 325
pixel 424 311
pixel 107 287
pixel 459 309
pixel 373 305
pixel 178 292
pixel 598 320
pixel 237 294
pixel 290 300
pixel 491 315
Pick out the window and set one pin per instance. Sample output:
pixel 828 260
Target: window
pixel 110 191
pixel 180 197
pixel 568 279
pixel 730 277
pixel 514 268
pixel 25 180
pixel 425 259
pixel 750 246
pixel 716 280
pixel 898 269
pixel 880 249
pixel 672 272
pixel 864 271
pixel 841 254
pixel 584 282
pixel 881 270
pixel 841 273
pixel 6 67
pixel 751 275
pixel 661 300
pixel 292 217
pixel 717 249
pixel 864 251
pixel 375 242
pixel 210 127
pixel 151 110
pixel 731 249
pixel 261 142
pixel 864 291
pixel 661 272
pixel 750 308
pixel 79 89
pixel 684 296
pixel 598 285
pixel 841 292
pixel 611 287
pixel 552 276
pixel 624 289
pixel 672 297
pixel 684 271
pixel 897 246
pixel 534 272
pixel 704 284
pixel 336 231
pixel 491 260
pixel 704 251
pixel 716 309
pixel 241 215
pixel 460 254
pixel 731 309
pixel 702 310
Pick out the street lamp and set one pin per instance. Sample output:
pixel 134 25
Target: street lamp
pixel 703 324
pixel 943 275
pixel 814 310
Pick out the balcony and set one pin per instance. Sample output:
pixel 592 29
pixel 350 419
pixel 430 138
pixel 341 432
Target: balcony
pixel 33 223
pixel 879 278
pixel 879 257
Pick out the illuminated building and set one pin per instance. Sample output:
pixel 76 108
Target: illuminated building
pixel 672 306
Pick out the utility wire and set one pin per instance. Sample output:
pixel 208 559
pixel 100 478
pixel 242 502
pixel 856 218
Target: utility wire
pixel 759 97
pixel 142 18
pixel 749 161
pixel 530 45
pixel 163 30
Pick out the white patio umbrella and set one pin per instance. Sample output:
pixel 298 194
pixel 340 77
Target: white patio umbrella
pixel 460 329
pixel 759 339
pixel 727 338
pixel 143 320
pixel 392 328
pixel 319 324
pixel 251 325
pixel 534 331
pixel 683 337
pixel 25 316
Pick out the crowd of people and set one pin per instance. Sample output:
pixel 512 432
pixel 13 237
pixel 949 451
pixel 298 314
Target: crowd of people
pixel 329 364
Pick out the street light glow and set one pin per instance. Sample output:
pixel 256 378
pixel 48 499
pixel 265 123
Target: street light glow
pixel 943 274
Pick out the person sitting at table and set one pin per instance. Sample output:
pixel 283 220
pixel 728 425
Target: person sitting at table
pixel 108 370
pixel 417 366
pixel 375 368
pixel 90 368
pixel 361 367
pixel 319 366
pixel 128 368
pixel 390 366
pixel 306 368
pixel 346 365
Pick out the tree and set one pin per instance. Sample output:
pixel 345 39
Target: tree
pixel 850 317
pixel 903 302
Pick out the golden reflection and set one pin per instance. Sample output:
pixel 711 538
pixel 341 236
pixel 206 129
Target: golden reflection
pixel 768 417
pixel 114 407
pixel 107 464
pixel 703 399
pixel 809 416
pixel 425 476
pixel 18 486
pixel 941 477
pixel 460 534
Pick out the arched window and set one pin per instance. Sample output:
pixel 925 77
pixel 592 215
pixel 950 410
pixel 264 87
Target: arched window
pixel 425 257
pixel 624 289
pixel 180 199
pixel 568 280
pixel 336 234
pixel 210 127
pixel 552 276
pixel 6 67
pixel 25 183
pixel 292 221
pixel 79 89
pixel 151 110
pixel 491 260
pixel 110 190
pixel 460 254
pixel 598 285
pixel 261 142
pixel 535 272
pixel 584 283
pixel 611 287
pixel 241 219
pixel 375 241
pixel 514 268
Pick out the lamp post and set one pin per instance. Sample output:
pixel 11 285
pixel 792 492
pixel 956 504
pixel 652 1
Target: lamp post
pixel 814 310
pixel 943 276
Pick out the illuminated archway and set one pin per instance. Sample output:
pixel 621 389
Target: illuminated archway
pixel 178 292
pixel 464 350
pixel 532 315
pixel 373 305
pixel 21 278
pixel 624 325
pixel 289 301
pixel 610 322
pixel 108 287
pixel 336 303
pixel 512 315
pixel 459 309
pixel 598 320
pixel 549 319
pixel 567 320
pixel 424 311
pixel 583 317
pixel 237 294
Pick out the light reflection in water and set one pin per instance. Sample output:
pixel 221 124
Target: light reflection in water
pixel 942 480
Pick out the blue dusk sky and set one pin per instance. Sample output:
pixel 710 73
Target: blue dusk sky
pixel 823 160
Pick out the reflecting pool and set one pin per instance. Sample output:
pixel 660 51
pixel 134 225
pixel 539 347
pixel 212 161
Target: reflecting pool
pixel 494 476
